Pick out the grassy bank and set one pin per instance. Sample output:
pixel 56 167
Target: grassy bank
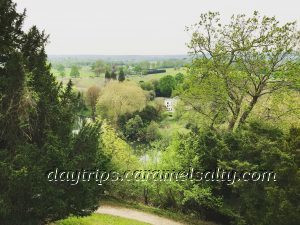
pixel 98 219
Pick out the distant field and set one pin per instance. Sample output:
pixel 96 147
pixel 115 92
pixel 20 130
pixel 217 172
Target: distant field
pixel 85 71
pixel 99 219
pixel 87 78
pixel 170 71
pixel 83 83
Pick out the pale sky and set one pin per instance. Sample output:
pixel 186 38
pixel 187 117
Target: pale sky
pixel 135 27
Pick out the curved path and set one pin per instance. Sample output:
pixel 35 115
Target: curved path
pixel 136 215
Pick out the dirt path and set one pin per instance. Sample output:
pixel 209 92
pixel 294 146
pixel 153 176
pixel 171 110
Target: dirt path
pixel 137 215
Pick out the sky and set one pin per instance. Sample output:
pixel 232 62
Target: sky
pixel 135 27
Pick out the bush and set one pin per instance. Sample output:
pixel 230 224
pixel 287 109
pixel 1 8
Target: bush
pixel 256 147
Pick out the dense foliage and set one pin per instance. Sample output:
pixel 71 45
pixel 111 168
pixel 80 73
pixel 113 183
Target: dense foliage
pixel 74 71
pixel 238 109
pixel 239 102
pixel 118 98
pixel 237 64
pixel 36 119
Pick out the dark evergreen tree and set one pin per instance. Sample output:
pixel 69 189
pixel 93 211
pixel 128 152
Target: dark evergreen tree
pixel 107 75
pixel 37 117
pixel 121 77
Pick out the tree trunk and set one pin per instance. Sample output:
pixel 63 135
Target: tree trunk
pixel 146 196
pixel 235 115
pixel 248 110
pixel 232 122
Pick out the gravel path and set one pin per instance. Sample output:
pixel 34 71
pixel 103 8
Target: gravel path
pixel 136 215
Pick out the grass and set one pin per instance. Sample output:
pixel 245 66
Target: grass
pixel 83 83
pixel 85 71
pixel 87 78
pixel 176 216
pixel 157 76
pixel 99 219
pixel 171 125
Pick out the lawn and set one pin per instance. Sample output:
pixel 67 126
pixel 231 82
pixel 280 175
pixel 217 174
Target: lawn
pixel 99 219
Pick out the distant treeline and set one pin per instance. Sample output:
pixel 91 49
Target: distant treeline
pixel 154 71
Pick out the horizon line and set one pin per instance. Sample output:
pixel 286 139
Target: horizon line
pixel 116 54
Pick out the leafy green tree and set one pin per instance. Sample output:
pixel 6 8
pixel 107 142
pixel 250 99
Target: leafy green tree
pixel 74 71
pixel 242 61
pixel 148 86
pixel 152 132
pixel 61 70
pixel 92 96
pixel 255 147
pixel 150 113
pixel 166 85
pixel 62 74
pixel 134 128
pixel 99 67
pixel 122 158
pixel 118 98
pixel 179 77
pixel 138 69
pixel 121 76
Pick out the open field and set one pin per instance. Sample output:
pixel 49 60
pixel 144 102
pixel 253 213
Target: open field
pixel 81 84
pixel 85 71
pixel 169 71
pixel 87 78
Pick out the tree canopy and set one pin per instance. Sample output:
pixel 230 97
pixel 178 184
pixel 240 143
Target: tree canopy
pixel 117 98
pixel 237 63
pixel 121 76
pixel 74 71
pixel 37 117
pixel 166 85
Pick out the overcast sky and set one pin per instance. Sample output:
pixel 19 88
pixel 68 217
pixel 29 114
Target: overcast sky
pixel 139 27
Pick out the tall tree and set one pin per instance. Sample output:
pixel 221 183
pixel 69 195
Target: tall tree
pixel 61 70
pixel 99 67
pixel 74 71
pixel 121 76
pixel 166 85
pixel 37 117
pixel 236 64
pixel 92 95
pixel 118 98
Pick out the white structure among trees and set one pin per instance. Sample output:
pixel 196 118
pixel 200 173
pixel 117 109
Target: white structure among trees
pixel 170 104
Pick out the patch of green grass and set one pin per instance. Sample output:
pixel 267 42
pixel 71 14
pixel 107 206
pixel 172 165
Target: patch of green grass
pixel 99 219
pixel 83 83
pixel 85 71
pixel 171 125
pixel 157 76
pixel 176 216
pixel 87 77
